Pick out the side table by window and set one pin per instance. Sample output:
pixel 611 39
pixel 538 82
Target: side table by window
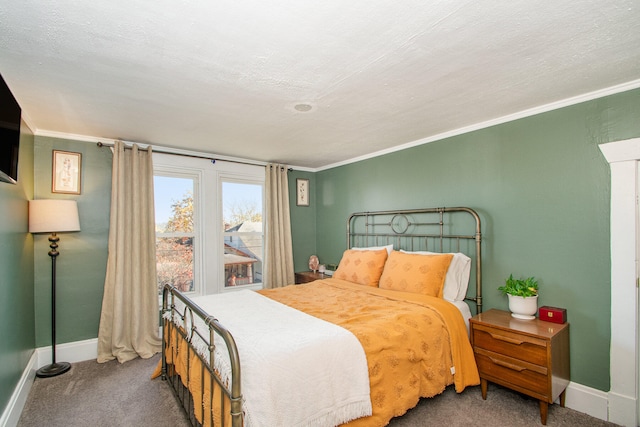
pixel 309 276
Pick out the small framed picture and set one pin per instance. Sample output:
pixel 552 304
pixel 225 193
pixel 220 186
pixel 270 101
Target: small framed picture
pixel 66 172
pixel 302 192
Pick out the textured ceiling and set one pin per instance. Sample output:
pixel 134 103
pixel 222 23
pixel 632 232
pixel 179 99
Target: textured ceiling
pixel 224 77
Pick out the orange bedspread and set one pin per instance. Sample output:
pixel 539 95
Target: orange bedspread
pixel 411 341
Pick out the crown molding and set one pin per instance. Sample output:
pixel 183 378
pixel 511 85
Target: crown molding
pixel 635 84
pixel 156 148
pixel 612 90
pixel 28 121
pixel 72 136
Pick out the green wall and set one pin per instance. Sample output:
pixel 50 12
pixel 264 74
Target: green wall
pixel 25 267
pixel 17 338
pixel 303 221
pixel 542 189
pixel 82 262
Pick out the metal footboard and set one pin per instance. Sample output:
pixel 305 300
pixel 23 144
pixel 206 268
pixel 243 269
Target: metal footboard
pixel 226 410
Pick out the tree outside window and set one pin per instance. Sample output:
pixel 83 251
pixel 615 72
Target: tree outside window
pixel 175 232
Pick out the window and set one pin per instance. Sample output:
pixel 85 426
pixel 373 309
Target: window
pixel 175 231
pixel 194 197
pixel 243 233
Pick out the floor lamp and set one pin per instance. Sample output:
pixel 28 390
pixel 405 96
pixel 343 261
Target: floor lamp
pixel 53 216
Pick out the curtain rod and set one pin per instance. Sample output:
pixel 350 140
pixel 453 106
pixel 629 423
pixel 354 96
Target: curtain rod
pixel 195 156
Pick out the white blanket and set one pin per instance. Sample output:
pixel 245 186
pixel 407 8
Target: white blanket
pixel 297 370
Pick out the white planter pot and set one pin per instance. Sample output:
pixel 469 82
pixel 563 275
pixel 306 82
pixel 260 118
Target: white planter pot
pixel 524 308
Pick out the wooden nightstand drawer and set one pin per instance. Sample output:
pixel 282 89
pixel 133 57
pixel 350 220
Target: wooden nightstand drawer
pixel 519 346
pixel 519 374
pixel 530 356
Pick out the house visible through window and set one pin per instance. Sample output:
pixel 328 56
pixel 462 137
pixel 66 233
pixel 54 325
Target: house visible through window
pixel 175 231
pixel 243 233
pixel 209 224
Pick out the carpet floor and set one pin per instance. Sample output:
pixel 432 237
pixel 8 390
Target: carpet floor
pixel 113 394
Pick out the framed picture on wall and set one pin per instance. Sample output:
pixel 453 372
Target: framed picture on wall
pixel 302 192
pixel 66 172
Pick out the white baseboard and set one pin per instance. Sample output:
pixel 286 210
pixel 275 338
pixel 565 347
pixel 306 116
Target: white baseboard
pixel 12 412
pixel 623 410
pixel 579 397
pixel 607 406
pixel 587 400
pixel 73 352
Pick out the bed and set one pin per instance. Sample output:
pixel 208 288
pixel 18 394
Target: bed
pixel 358 348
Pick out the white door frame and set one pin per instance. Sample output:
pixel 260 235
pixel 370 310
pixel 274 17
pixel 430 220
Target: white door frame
pixel 623 157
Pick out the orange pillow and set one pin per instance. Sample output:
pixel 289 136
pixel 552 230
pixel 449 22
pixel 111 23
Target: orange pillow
pixel 361 267
pixel 422 274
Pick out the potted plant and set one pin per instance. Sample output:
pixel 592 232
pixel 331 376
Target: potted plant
pixel 523 297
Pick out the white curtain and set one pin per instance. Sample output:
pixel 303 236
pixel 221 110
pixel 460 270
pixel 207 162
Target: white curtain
pixel 129 318
pixel 279 251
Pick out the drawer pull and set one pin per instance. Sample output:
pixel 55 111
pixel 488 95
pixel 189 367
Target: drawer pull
pixel 506 339
pixel 507 365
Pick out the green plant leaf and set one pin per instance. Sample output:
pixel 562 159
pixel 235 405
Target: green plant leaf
pixel 520 287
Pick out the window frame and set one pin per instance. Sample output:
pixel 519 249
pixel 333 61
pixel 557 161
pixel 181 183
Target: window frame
pixel 207 200
pixel 160 168
pixel 249 180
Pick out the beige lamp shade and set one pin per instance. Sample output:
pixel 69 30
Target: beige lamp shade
pixel 53 216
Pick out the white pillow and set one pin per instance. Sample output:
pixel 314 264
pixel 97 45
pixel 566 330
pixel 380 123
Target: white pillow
pixel 456 281
pixel 389 248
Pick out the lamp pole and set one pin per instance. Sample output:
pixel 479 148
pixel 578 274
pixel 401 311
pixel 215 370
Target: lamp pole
pixel 54 368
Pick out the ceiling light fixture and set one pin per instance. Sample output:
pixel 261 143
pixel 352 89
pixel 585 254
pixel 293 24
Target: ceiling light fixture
pixel 303 108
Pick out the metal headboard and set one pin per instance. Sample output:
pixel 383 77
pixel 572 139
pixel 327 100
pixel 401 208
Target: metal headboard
pixel 431 229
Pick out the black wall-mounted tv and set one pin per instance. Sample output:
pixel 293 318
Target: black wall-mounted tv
pixel 10 113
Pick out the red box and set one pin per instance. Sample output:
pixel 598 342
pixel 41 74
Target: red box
pixel 553 314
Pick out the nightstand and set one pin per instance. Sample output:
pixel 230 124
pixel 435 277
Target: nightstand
pixel 309 276
pixel 529 356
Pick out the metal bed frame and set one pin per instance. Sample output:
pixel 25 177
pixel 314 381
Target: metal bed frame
pixel 189 332
pixel 430 229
